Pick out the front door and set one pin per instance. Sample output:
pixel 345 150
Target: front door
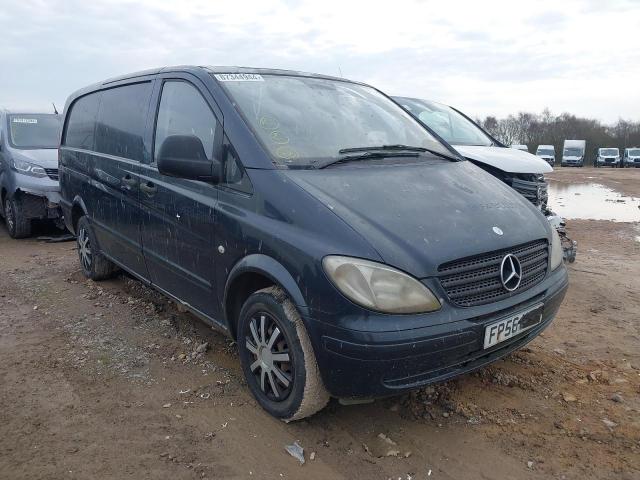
pixel 179 219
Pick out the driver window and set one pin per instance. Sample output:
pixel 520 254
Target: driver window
pixel 183 111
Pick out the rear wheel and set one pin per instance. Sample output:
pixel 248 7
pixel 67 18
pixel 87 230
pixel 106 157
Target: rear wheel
pixel 18 225
pixel 94 265
pixel 277 357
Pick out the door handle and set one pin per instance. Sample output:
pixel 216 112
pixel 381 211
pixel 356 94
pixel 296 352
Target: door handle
pixel 128 182
pixel 149 188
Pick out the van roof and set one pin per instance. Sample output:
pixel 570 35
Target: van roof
pixel 25 111
pixel 199 69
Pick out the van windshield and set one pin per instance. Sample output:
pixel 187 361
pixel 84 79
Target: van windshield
pixel 34 131
pixel 446 122
pixel 633 152
pixel 572 152
pixel 609 152
pixel 305 121
pixel 545 151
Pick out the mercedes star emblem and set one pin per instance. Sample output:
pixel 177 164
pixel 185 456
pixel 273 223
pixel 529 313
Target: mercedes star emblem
pixel 510 272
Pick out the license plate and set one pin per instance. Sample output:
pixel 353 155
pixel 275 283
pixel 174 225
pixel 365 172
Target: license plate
pixel 511 326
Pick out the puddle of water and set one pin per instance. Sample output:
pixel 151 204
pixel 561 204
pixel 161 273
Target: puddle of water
pixel 592 201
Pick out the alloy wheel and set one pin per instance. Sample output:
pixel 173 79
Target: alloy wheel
pixel 272 363
pixel 84 248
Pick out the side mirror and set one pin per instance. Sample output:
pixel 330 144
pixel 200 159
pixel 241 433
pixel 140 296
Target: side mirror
pixel 183 156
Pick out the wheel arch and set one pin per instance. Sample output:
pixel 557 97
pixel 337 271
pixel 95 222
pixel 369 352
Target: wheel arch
pixel 252 273
pixel 78 209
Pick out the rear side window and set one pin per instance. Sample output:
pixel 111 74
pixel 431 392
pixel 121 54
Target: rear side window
pixel 121 121
pixel 82 122
pixel 184 111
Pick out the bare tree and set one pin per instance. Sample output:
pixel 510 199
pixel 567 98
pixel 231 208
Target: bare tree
pixel 547 129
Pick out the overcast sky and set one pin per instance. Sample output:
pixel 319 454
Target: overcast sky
pixel 484 57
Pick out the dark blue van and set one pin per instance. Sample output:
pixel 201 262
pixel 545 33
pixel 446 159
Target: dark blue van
pixel 347 249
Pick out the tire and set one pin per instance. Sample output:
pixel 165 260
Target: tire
pixel 289 388
pixel 94 265
pixel 18 225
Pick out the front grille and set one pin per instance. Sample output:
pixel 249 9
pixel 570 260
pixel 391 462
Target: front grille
pixel 476 280
pixel 534 191
pixel 52 173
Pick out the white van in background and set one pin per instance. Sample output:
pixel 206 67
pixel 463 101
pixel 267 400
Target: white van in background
pixel 547 153
pixel 607 156
pixel 631 157
pixel 573 153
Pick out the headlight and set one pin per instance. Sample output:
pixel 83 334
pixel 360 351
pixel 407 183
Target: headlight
pixel 27 168
pixel 378 287
pixel 556 250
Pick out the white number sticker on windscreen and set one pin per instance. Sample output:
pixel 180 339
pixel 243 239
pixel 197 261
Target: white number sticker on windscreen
pixel 24 120
pixel 238 77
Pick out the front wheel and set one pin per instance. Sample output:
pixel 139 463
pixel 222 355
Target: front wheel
pixel 277 357
pixel 18 225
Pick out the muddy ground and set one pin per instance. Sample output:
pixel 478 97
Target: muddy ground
pixel 110 380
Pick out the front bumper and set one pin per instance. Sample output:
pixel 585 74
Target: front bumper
pixel 39 187
pixel 612 163
pixel 40 196
pixel 571 163
pixel 374 364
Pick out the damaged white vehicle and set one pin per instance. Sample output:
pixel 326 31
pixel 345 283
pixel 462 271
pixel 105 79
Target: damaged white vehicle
pixel 521 170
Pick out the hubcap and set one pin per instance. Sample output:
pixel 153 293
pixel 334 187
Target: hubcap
pixel 272 365
pixel 84 248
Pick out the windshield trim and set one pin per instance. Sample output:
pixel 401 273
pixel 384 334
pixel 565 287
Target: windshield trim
pixel 313 162
pixel 30 147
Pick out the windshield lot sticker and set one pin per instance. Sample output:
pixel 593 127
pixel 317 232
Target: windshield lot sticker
pixel 279 138
pixel 25 120
pixel 238 77
pixel 287 153
pixel 269 123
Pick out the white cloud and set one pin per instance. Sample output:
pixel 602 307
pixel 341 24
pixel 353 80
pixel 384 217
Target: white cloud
pixel 497 57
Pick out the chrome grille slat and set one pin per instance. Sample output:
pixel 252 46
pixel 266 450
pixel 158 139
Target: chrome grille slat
pixel 476 280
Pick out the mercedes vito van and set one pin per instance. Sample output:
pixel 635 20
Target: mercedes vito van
pixel 347 250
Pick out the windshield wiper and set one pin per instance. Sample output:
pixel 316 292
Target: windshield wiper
pixel 366 156
pixel 384 147
pixel 399 148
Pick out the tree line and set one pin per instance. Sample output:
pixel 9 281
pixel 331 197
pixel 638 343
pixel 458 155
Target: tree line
pixel 547 129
